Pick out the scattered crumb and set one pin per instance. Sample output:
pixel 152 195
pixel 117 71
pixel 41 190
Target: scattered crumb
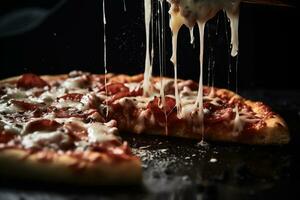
pixel 213 160
pixel 202 143
pixel 163 150
pixel 144 166
pixel 145 147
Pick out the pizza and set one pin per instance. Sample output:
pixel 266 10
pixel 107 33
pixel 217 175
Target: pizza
pixel 64 128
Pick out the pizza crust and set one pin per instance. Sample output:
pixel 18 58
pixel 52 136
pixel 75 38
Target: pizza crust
pixel 21 164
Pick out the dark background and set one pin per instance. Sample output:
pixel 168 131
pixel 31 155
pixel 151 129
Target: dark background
pixel 72 38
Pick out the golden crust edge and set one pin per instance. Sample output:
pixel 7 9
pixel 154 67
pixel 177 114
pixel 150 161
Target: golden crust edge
pixel 20 164
pixel 276 130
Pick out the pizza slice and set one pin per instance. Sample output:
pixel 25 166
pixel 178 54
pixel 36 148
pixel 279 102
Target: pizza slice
pixel 52 130
pixel 227 116
pixel 64 128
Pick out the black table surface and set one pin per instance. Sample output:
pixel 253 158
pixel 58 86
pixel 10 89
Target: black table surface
pixel 176 168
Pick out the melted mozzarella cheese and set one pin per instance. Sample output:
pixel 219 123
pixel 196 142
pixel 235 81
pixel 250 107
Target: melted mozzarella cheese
pixel 162 49
pixel 192 38
pixel 88 100
pixel 83 104
pixel 199 100
pixel 148 65
pixel 233 15
pixel 206 9
pixel 104 52
pixel 14 93
pixel 124 6
pixel 10 127
pixel 176 21
pixel 7 108
pixel 190 12
pixel 133 86
pixel 68 104
pixel 241 118
pixel 138 101
pixel 71 83
pixel 164 84
pixel 39 139
pixel 99 132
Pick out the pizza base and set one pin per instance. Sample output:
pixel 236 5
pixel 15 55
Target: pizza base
pixel 21 164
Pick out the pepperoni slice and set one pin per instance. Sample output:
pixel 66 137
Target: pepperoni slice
pixel 72 97
pixel 25 105
pixel 120 95
pixel 66 113
pixel 226 114
pixel 114 88
pixel 159 113
pixel 5 136
pixel 42 125
pixel 155 107
pixel 28 81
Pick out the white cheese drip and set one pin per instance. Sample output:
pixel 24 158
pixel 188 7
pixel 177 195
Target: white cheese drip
pixel 124 6
pixel 39 139
pixel 176 21
pixel 162 50
pixel 199 100
pixel 192 38
pixel 99 132
pixel 162 59
pixel 241 118
pixel 148 65
pixel 133 86
pixel 188 12
pixel 233 15
pixel 104 53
